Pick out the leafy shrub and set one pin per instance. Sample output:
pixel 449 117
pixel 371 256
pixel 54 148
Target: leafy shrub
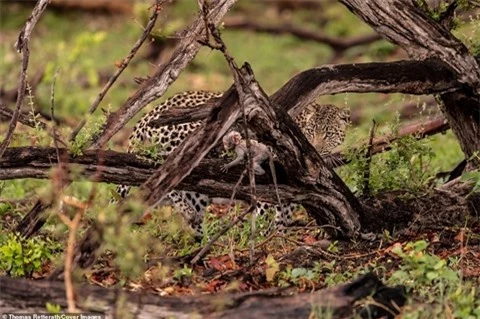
pixel 405 166
pixel 21 257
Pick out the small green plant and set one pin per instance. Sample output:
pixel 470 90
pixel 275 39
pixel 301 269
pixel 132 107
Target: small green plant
pixel 53 308
pixel 297 276
pixel 405 166
pixel 387 236
pixel 436 282
pixel 420 269
pixel 473 177
pixel 93 127
pixel 333 247
pixel 437 12
pixel 21 257
pixel 181 273
pixel 151 151
pixel 319 312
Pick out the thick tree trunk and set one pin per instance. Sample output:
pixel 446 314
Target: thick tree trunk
pixel 409 27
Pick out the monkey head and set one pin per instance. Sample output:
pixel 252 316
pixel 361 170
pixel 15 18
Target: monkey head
pixel 231 140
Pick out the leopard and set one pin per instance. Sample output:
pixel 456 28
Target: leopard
pixel 324 126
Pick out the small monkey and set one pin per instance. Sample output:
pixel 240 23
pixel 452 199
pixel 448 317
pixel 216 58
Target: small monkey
pixel 260 153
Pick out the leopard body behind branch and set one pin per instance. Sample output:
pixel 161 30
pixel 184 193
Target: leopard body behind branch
pixel 323 125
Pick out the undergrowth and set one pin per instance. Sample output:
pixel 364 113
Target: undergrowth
pixel 406 166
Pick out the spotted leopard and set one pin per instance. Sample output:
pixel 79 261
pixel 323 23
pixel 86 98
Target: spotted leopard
pixel 192 205
pixel 324 126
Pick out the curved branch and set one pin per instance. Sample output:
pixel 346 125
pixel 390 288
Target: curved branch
pixel 337 44
pixel 419 130
pixel 422 37
pixel 418 34
pixel 409 77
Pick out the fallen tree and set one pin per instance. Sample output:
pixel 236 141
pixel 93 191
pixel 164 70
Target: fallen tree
pixel 128 169
pixel 24 296
pixel 331 202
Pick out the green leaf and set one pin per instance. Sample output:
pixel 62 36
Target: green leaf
pixel 432 275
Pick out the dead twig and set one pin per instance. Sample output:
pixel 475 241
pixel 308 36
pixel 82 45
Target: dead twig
pixel 72 225
pixel 52 112
pixel 22 46
pixel 368 160
pixel 123 65
pixel 224 230
pixel 28 120
pixel 419 129
pixel 167 73
pixel 12 201
pixel 239 84
pixel 23 118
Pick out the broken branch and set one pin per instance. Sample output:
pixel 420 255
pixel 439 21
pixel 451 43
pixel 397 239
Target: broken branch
pixel 22 46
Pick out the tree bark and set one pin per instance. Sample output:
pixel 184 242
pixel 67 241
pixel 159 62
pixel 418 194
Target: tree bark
pixel 129 169
pixel 25 296
pixel 409 77
pixel 409 27
pixel 419 130
pixel 385 211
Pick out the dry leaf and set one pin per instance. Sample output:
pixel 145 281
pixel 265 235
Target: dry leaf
pixel 272 268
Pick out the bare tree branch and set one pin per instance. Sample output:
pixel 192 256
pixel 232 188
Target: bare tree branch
pixel 157 7
pixel 12 94
pixel 419 129
pixel 368 160
pixel 24 118
pixel 394 19
pixel 272 303
pixel 409 77
pixel 22 46
pixel 156 85
pixel 189 153
pixel 430 76
pixel 337 44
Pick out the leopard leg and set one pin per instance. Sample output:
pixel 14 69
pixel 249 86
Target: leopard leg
pixel 267 208
pixel 284 216
pixel 192 206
